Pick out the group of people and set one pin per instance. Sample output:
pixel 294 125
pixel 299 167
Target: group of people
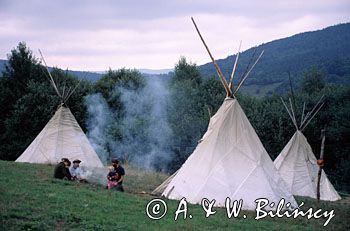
pixel 115 176
pixel 64 170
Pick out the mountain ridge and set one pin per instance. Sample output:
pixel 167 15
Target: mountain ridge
pixel 327 49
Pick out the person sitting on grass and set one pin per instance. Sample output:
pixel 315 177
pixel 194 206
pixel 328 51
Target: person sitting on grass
pixel 121 172
pixel 62 170
pixel 112 178
pixel 77 172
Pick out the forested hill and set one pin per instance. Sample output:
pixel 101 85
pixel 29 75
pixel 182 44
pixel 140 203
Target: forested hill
pixel 87 75
pixel 328 49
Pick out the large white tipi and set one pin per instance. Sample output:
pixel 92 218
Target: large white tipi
pixel 297 163
pixel 230 160
pixel 62 137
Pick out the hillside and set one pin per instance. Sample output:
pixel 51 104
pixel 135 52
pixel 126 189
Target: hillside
pixel 328 49
pixel 94 76
pixel 31 200
pixel 86 75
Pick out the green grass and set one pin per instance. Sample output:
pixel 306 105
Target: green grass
pixel 31 200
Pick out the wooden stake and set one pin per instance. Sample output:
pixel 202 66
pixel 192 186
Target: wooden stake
pixel 323 136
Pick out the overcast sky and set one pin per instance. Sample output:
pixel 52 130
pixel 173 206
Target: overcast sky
pixel 97 34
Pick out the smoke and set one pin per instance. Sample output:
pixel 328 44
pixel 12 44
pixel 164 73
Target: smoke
pixel 147 135
pixel 96 175
pixel 98 121
pixel 144 137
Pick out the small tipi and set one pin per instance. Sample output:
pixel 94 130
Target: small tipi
pixel 61 137
pixel 297 163
pixel 230 160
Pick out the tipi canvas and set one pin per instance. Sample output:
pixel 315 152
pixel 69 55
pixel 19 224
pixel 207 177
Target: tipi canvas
pixel 61 137
pixel 298 167
pixel 229 162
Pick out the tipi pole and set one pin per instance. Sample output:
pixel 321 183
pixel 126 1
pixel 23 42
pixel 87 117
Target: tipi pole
pixel 302 114
pixel 248 65
pixel 292 91
pixel 292 110
pixel 312 117
pixel 234 67
pixel 290 115
pixel 72 91
pixel 320 163
pixel 48 71
pixel 64 88
pixel 209 111
pixel 311 112
pixel 293 99
pixel 223 80
pixel 245 77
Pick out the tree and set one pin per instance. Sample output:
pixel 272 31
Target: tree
pixel 185 71
pixel 21 67
pixel 212 94
pixel 313 81
pixel 122 78
pixel 28 100
pixel 188 114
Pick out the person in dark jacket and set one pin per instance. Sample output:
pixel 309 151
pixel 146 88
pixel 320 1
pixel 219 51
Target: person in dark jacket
pixel 120 175
pixel 62 170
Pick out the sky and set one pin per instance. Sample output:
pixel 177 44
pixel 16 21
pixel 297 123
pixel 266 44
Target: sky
pixel 95 35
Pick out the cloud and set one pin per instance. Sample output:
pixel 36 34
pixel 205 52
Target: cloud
pixel 96 35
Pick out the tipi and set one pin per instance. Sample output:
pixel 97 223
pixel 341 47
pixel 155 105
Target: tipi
pixel 61 137
pixel 230 160
pixel 297 163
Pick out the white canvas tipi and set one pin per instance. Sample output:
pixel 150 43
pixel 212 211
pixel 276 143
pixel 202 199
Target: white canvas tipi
pixel 298 167
pixel 62 137
pixel 230 161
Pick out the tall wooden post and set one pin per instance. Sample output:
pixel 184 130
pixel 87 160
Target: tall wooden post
pixel 320 163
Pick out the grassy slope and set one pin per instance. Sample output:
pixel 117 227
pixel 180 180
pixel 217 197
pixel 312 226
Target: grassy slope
pixel 31 199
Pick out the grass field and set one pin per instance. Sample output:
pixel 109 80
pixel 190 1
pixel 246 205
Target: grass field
pixel 30 199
